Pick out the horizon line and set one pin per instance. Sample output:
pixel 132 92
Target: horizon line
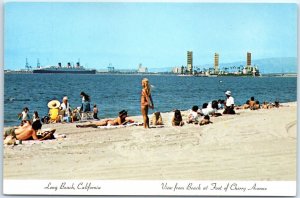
pixel 105 67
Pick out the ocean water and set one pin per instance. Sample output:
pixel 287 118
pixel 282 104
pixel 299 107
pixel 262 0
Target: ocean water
pixel 113 93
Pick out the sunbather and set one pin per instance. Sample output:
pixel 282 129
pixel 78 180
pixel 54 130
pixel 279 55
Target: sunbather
pixel 120 120
pixel 25 132
pixel 244 106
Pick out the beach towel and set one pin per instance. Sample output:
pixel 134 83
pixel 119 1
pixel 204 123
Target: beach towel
pixel 120 126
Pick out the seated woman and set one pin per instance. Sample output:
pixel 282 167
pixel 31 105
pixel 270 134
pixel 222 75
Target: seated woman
pixel 65 110
pixel 120 120
pixel 177 119
pixel 54 111
pixel 156 118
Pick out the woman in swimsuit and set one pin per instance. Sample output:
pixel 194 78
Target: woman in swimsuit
pixel 120 120
pixel 146 101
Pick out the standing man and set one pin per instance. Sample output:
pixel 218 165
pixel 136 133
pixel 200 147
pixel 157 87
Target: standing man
pixel 229 103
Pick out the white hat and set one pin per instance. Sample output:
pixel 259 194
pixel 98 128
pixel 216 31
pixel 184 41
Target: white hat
pixel 65 98
pixel 228 93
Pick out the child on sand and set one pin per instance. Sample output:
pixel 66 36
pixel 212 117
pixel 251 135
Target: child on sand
pixel 205 120
pixel 95 110
pixel 265 105
pixel 276 103
pixel 177 119
pixel 257 105
pixel 156 118
pixel 194 115
pixel 25 114
pixel 252 103
pixel 35 116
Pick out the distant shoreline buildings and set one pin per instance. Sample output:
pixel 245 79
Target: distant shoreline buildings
pixel 189 69
pixel 217 69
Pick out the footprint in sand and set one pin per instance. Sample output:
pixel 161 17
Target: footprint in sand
pixel 291 129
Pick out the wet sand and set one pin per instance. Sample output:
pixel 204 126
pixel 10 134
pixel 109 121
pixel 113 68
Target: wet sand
pixel 253 145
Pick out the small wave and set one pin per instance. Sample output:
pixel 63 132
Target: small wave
pixel 10 121
pixel 16 99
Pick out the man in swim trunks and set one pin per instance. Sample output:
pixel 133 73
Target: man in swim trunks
pixel 25 132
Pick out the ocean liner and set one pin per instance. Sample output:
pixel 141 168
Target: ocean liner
pixel 78 69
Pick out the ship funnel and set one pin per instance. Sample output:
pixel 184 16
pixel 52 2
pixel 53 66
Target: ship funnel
pixel 78 64
pixel 69 64
pixel 59 64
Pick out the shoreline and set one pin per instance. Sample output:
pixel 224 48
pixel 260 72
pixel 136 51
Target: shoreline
pixel 234 147
pixel 149 115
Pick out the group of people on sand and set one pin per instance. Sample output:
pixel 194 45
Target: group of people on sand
pixel 29 127
pixel 207 110
pixel 146 102
pixel 253 104
pixel 63 112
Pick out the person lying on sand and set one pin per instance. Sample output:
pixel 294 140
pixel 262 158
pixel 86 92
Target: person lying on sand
pixel 120 120
pixel 25 132
pixel 244 106
pixel 205 120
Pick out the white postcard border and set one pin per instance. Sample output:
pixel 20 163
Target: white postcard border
pixel 146 187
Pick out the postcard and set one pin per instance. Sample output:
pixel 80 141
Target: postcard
pixel 150 98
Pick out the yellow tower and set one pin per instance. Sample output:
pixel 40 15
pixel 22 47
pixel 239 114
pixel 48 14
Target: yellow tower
pixel 216 66
pixel 190 62
pixel 248 58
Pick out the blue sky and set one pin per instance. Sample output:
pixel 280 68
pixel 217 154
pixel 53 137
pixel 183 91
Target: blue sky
pixel 154 34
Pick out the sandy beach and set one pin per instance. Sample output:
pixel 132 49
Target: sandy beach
pixel 252 145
